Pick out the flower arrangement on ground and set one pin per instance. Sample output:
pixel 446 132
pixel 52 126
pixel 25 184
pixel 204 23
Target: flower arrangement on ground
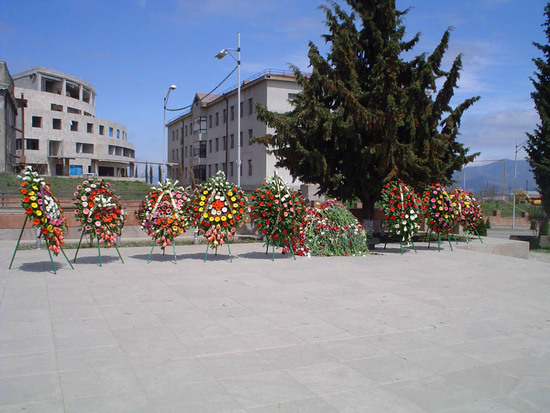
pixel 401 206
pixel 43 209
pixel 470 210
pixel 330 230
pixel 439 210
pixel 277 211
pixel 219 207
pixel 99 211
pixel 165 212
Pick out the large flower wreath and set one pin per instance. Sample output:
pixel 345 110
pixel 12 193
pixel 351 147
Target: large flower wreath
pixel 42 207
pixel 99 211
pixel 219 207
pixel 470 210
pixel 439 211
pixel 277 211
pixel 165 212
pixel 401 206
pixel 330 230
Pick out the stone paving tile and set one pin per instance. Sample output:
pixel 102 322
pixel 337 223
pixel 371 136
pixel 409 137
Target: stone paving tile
pixel 265 388
pixel 380 333
pixel 371 399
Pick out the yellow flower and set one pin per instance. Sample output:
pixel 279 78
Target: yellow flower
pixel 441 208
pixel 174 228
pixel 224 218
pixel 205 192
pixel 203 198
pixel 446 216
pixel 211 218
pixel 34 205
pixel 205 215
pixel 35 187
pixel 217 219
pixel 201 209
pixel 235 205
pixel 439 201
pixel 234 211
pixel 31 193
pixel 49 228
pixel 229 216
pixel 201 203
pixel 33 198
pixel 230 193
pixel 38 212
pixel 233 198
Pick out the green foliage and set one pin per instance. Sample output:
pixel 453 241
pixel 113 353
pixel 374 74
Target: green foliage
pixel 538 143
pixel 366 116
pixel 482 228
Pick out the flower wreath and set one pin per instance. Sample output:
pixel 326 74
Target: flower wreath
pixel 277 211
pixel 42 207
pixel 401 206
pixel 99 210
pixel 330 230
pixel 470 210
pixel 165 212
pixel 439 209
pixel 219 207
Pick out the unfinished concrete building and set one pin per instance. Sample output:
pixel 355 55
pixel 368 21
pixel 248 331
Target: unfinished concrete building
pixel 58 132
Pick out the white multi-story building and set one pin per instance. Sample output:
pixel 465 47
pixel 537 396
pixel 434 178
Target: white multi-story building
pixel 61 134
pixel 204 140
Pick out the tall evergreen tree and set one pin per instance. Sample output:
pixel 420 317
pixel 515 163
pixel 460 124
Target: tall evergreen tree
pixel 365 115
pixel 538 143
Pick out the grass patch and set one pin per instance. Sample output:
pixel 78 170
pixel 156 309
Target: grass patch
pixel 65 187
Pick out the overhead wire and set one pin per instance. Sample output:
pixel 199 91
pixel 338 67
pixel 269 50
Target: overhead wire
pixel 208 94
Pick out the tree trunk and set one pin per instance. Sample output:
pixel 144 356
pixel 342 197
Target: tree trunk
pixel 368 214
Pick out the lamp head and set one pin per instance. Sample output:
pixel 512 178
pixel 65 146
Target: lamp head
pixel 173 87
pixel 221 54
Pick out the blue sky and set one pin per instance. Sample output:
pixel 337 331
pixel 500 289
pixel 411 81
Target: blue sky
pixel 131 50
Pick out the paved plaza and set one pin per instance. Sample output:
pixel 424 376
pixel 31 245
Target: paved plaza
pixel 452 331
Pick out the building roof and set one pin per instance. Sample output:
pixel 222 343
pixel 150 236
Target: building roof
pixel 53 73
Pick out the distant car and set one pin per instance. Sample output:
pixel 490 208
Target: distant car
pixel 89 174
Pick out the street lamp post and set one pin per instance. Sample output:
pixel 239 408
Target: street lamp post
pixel 221 55
pixel 518 148
pixel 166 95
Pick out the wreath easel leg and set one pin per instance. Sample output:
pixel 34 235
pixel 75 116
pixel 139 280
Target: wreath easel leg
pixel 78 246
pixel 65 255
pixel 99 253
pixel 149 259
pixel 51 259
pixel 118 252
pixel 18 241
pixel 174 248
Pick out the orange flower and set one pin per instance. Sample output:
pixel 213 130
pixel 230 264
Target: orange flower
pixel 24 191
pixel 36 221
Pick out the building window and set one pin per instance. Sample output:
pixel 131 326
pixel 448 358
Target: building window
pixel 241 139
pixel 216 167
pixel 74 110
pixel 90 128
pixel 74 126
pixel 210 146
pixel 89 148
pixel 250 136
pixel 217 119
pixel 232 141
pixel 37 121
pixel 232 112
pixel 224 145
pixel 101 130
pixel 223 168
pixel 185 130
pixel 118 134
pixel 57 108
pixel 250 167
pixel 217 145
pixel 32 144
pixel 230 168
pixel 241 107
pixel 56 123
pixel 110 132
pixel 210 121
pixel 250 106
pixel 224 116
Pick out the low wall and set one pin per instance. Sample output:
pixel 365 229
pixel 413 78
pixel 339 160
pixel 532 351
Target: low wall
pixel 496 218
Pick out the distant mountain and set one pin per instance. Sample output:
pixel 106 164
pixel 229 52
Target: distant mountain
pixel 491 175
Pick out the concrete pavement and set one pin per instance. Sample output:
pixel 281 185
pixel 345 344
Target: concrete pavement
pixel 456 331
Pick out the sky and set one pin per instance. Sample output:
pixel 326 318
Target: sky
pixel 131 51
